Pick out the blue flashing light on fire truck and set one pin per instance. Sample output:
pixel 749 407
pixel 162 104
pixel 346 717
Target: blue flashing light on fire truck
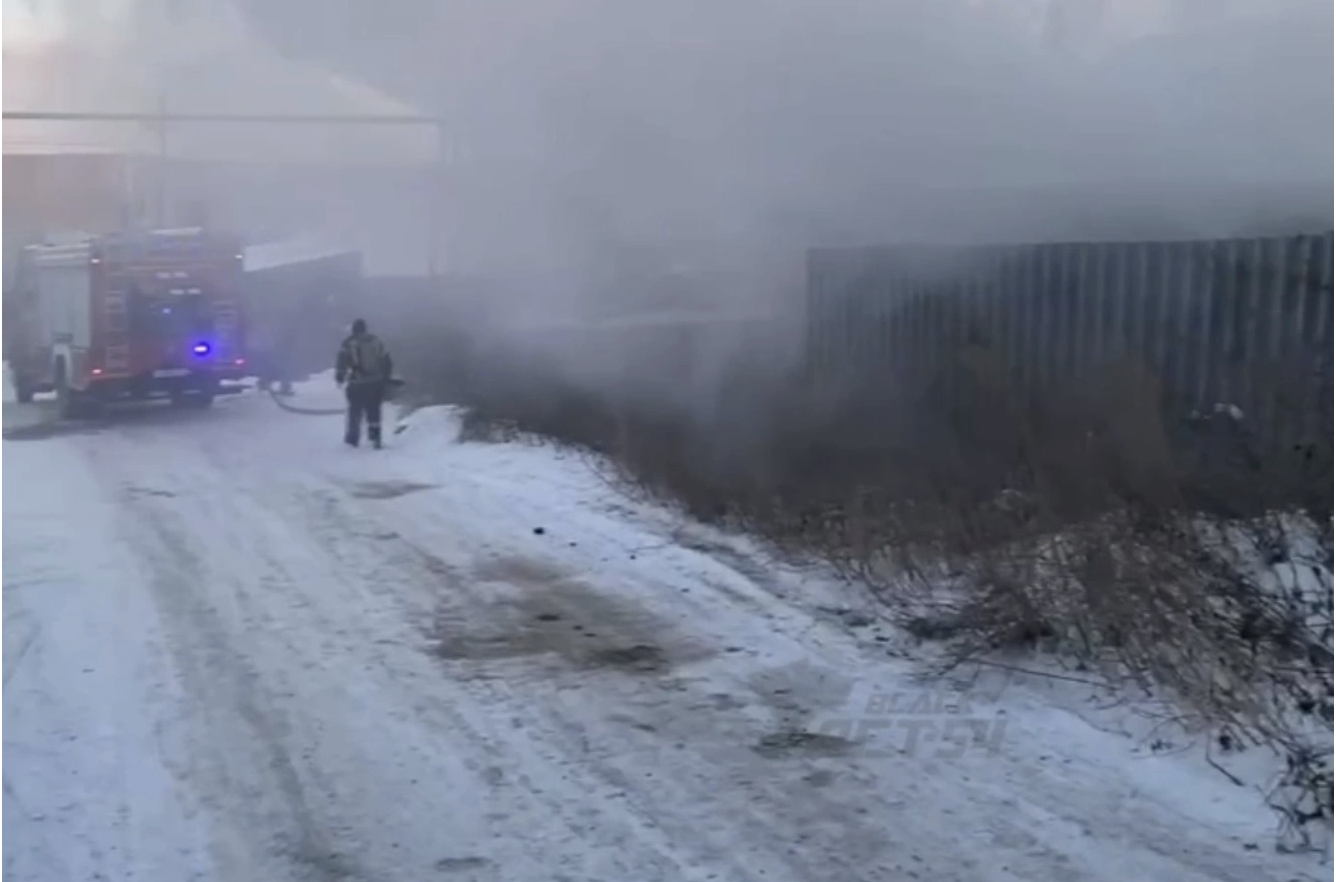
pixel 128 316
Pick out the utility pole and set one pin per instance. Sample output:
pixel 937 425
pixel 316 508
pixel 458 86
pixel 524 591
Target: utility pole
pixel 438 224
pixel 435 180
pixel 160 211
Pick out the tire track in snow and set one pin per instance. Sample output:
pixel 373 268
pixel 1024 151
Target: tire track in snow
pixel 267 620
pixel 488 718
pixel 224 689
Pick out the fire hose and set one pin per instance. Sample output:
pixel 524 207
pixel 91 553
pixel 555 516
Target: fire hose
pixel 305 411
pixel 393 386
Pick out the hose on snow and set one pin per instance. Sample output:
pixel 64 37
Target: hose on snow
pixel 394 384
pixel 304 411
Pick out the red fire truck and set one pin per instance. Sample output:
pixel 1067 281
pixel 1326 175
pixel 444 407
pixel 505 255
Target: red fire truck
pixel 127 316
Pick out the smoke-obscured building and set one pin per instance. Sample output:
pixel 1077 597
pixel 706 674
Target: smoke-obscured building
pixel 368 185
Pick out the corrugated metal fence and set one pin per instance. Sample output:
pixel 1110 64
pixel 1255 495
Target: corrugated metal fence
pixel 1245 321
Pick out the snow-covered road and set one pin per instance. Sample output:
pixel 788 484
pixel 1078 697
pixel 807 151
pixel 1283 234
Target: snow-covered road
pixel 235 650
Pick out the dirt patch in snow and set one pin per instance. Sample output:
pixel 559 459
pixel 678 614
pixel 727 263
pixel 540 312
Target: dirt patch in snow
pixel 521 571
pixel 785 744
pixel 536 609
pixel 641 657
pixel 135 490
pixel 462 864
pixel 387 489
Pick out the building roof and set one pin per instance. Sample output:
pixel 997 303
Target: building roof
pixel 229 71
pixel 297 250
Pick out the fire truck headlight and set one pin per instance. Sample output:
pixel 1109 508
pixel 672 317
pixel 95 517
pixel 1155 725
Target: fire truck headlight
pixel 201 348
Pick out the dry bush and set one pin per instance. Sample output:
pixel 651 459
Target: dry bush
pixel 1113 558
pixel 479 428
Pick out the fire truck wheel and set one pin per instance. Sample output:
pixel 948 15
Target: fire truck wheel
pixel 23 391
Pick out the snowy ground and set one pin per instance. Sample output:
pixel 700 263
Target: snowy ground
pixel 236 650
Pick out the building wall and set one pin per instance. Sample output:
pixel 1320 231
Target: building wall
pixel 56 192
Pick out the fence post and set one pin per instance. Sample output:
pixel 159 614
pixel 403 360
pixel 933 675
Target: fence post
pixel 1155 315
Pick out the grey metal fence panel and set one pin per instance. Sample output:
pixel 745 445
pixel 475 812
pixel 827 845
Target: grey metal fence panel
pixel 1218 322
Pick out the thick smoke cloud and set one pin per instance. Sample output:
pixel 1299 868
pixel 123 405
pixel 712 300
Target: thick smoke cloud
pixel 585 126
pixel 589 133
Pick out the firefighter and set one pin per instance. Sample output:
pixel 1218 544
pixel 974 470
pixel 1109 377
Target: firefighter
pixel 364 365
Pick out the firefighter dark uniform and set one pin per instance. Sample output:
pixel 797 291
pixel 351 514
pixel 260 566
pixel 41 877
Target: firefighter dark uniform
pixel 364 364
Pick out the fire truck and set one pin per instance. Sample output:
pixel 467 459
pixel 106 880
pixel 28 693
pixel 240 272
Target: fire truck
pixel 122 316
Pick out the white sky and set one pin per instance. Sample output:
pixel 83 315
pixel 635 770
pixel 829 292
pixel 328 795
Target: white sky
pixel 35 22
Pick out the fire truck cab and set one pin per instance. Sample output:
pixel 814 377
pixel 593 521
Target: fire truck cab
pixel 127 316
